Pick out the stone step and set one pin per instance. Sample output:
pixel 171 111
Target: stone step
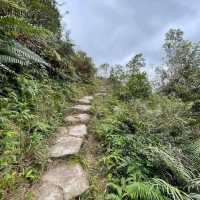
pixel 64 182
pixel 78 130
pixel 103 90
pixel 64 146
pixel 81 108
pixel 85 100
pixel 75 119
pixel 101 94
pixel 48 191
pixel 78 109
pixel 61 131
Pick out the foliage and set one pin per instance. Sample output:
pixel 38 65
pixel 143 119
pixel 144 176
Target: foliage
pixel 84 65
pixel 38 79
pixel 44 14
pixel 28 117
pixel 138 86
pixel 136 63
pixel 13 26
pixel 129 82
pixel 13 52
pixel 182 59
pixel 146 148
pixel 17 8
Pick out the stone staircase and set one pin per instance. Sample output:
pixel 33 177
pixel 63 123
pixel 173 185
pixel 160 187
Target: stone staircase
pixel 65 180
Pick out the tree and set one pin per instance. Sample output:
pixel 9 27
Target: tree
pixel 131 83
pixel 136 63
pixel 84 65
pixel 45 14
pixel 137 85
pixel 183 61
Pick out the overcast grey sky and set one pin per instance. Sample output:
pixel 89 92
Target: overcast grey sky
pixel 114 30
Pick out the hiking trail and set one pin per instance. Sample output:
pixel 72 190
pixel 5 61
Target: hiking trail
pixel 66 179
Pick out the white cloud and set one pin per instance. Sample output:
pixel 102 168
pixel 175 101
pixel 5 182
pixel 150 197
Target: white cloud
pixel 113 31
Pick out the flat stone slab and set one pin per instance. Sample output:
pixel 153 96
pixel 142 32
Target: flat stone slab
pixel 78 130
pixel 102 90
pixel 79 118
pixel 65 145
pixel 89 97
pixel 48 191
pixel 62 131
pixel 101 94
pixel 71 178
pixel 81 108
pixel 86 100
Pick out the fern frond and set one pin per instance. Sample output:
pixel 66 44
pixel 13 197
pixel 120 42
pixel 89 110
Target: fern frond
pixel 144 191
pixel 20 51
pixel 13 6
pixel 196 150
pixel 182 174
pixel 12 52
pixel 113 197
pixel 193 154
pixel 5 68
pixel 194 185
pixel 195 196
pixel 11 60
pixel 118 189
pixel 169 190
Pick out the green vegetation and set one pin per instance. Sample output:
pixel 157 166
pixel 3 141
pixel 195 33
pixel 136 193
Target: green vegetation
pixel 150 138
pixel 40 75
pixel 145 139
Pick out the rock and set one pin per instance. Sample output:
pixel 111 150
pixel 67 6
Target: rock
pixel 89 97
pixel 81 108
pixel 48 191
pixel 102 90
pixel 78 130
pixel 85 100
pixel 65 145
pixel 71 178
pixel 101 94
pixel 79 118
pixel 62 131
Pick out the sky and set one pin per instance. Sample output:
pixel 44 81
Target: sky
pixel 113 31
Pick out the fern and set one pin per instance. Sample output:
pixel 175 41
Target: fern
pixel 144 191
pixel 15 7
pixel 194 185
pixel 12 26
pixel 195 196
pixel 113 197
pixel 196 148
pixel 169 190
pixel 11 60
pixel 6 69
pixel 12 52
pixel 195 153
pixel 182 174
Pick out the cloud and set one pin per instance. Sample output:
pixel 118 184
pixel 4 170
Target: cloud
pixel 112 30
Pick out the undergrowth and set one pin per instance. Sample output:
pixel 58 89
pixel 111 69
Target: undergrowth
pixel 29 114
pixel 150 149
